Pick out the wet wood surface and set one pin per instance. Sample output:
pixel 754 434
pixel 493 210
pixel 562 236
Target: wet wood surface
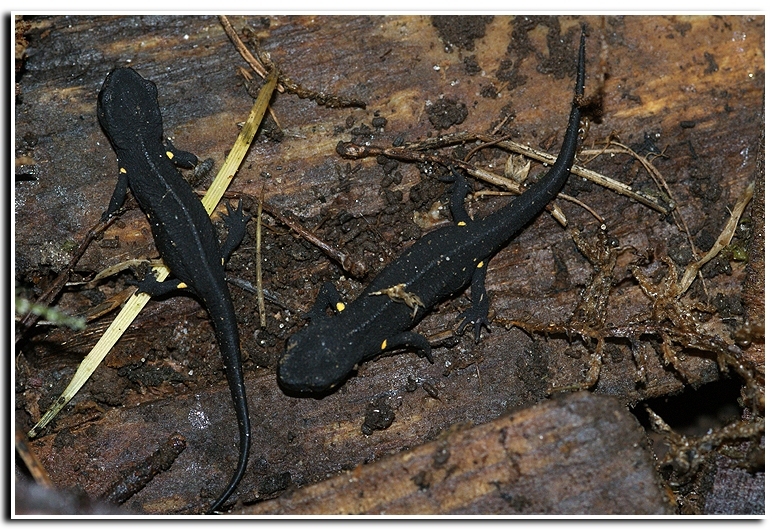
pixel 687 90
pixel 512 465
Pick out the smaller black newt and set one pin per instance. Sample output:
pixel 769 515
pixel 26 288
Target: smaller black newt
pixel 129 114
pixel 438 266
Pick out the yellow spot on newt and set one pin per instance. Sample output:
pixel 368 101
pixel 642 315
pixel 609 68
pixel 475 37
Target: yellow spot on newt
pixel 181 285
pixel 384 344
pixel 170 155
pixel 340 306
pixel 480 264
pixel 462 223
pixel 122 170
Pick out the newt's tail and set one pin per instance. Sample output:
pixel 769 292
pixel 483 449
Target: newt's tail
pixel 227 336
pixel 522 209
pixel 549 186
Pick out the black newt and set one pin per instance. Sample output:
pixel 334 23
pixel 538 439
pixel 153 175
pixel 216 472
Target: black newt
pixel 185 237
pixel 438 266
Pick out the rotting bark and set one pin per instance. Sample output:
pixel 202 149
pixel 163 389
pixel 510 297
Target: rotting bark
pixel 662 95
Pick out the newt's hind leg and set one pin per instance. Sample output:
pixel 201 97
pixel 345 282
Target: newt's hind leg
pixel 236 222
pixel 327 297
pixel 459 191
pixel 408 339
pixel 477 314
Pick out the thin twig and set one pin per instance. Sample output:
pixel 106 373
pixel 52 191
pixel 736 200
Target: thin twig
pixel 484 145
pixel 412 153
pixel 259 262
pixel 582 205
pixel 244 51
pixel 355 268
pixel 262 64
pixel 34 466
pixel 56 286
pixel 723 239
pixel 660 182
pixel 593 176
pixel 355 151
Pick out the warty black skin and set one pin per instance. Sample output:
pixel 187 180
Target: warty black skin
pixel 438 266
pixel 185 237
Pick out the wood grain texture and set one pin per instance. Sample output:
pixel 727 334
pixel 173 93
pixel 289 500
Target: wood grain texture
pixel 691 88
pixel 582 454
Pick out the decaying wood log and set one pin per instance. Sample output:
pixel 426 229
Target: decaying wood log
pixel 581 454
pixel 686 93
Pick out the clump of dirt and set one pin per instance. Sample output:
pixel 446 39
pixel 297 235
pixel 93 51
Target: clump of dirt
pixel 447 112
pixel 460 31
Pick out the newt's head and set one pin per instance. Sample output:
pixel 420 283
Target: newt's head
pixel 316 359
pixel 128 109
